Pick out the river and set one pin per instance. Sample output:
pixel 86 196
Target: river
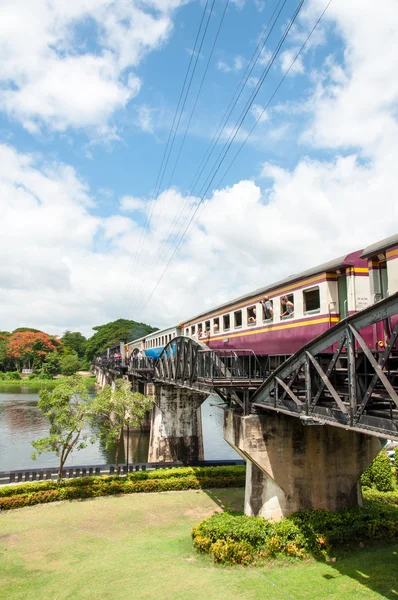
pixel 21 422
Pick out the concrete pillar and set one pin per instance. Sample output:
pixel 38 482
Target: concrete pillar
pixel 292 467
pixel 176 425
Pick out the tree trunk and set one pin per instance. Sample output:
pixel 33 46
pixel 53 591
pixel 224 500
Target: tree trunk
pixel 117 451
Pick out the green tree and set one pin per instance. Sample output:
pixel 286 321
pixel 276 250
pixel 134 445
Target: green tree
pixel 5 362
pixel 115 409
pixel 114 332
pixel 75 341
pixel 69 363
pixel 379 473
pixel 51 364
pixel 67 408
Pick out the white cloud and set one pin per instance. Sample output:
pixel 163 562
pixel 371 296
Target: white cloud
pixel 50 76
pixel 236 66
pixel 286 59
pixel 131 203
pixel 61 267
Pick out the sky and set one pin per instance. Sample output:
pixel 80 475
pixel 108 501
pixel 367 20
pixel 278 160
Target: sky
pixel 109 208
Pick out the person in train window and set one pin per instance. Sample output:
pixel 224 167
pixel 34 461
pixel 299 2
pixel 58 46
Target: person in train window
pixel 207 335
pixel 252 318
pixel 215 327
pixel 288 307
pixel 268 307
pixel 200 333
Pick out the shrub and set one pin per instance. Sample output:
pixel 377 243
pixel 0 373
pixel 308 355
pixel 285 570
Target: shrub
pixel 14 375
pixel 32 376
pixel 15 496
pixel 227 537
pixel 396 462
pixel 379 473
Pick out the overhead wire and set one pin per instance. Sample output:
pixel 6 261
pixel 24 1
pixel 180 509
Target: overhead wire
pixel 239 150
pixel 164 199
pixel 237 94
pixel 169 143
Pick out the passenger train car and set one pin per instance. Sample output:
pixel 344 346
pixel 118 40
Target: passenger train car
pixel 317 299
pixel 153 344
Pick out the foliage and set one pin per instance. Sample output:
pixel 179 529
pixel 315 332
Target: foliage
pixel 16 496
pixel 379 473
pixel 114 332
pixel 28 348
pixel 13 375
pixel 69 363
pixel 74 340
pixel 67 409
pixel 24 329
pixel 396 462
pixel 51 363
pixel 236 538
pixel 115 409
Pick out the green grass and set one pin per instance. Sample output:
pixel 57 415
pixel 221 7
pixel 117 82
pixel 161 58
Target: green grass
pixel 35 385
pixel 138 546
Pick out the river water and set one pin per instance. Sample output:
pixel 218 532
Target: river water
pixel 21 422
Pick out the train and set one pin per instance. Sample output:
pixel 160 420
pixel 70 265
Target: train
pixel 280 318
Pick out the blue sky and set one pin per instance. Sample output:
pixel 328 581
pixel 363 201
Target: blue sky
pixel 88 92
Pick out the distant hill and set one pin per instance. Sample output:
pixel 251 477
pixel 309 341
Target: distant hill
pixel 114 332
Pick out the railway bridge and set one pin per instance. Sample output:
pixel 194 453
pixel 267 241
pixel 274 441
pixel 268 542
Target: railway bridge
pixel 307 425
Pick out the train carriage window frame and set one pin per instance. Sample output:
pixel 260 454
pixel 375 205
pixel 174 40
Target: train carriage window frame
pixel 187 331
pixel 238 319
pixel 250 313
pixel 226 322
pixel 216 321
pixel 312 300
pixel 193 330
pixel 290 298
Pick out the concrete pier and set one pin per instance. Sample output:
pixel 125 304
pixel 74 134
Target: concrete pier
pixel 176 426
pixel 293 467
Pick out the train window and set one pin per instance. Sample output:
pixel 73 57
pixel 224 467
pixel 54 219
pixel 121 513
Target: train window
pixel 216 325
pixel 312 301
pixel 287 306
pixel 226 321
pixel 207 329
pixel 238 318
pixel 193 330
pixel 251 315
pixel 187 331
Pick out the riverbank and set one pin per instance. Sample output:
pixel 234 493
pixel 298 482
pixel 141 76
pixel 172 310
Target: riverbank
pixel 36 384
pixel 140 544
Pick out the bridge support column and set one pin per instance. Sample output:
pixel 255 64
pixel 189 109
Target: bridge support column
pixel 176 425
pixel 292 467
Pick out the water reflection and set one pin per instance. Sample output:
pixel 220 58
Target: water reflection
pixel 21 422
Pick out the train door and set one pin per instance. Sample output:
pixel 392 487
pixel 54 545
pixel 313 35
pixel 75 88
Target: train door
pixel 343 296
pixel 383 328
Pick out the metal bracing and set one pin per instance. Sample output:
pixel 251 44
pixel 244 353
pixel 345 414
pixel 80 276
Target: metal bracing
pixel 338 379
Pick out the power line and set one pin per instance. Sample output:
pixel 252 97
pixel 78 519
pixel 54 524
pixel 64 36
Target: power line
pixel 169 143
pixel 244 142
pixel 164 199
pixel 238 92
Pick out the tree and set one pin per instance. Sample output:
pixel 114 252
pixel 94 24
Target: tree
pixel 114 332
pixel 5 361
pixel 67 408
pixel 75 341
pixel 70 363
pixel 51 364
pixel 28 348
pixel 115 409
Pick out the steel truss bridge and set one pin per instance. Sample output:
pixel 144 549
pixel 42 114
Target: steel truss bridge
pixel 335 379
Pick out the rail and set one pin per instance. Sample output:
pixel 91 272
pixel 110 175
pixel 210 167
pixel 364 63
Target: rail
pixel 337 379
pixel 72 472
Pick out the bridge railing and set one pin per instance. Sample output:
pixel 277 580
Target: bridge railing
pixel 72 472
pixel 141 364
pixel 229 366
pixel 111 363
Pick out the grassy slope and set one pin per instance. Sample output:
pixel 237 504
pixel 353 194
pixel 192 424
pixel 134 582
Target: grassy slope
pixel 138 546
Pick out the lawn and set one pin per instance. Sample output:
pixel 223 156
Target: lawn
pixel 138 546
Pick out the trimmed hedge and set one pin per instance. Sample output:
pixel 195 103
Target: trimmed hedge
pixel 162 480
pixel 238 539
pixel 379 473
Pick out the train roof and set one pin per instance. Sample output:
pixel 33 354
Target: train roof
pixel 154 333
pixel 380 246
pixel 342 261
